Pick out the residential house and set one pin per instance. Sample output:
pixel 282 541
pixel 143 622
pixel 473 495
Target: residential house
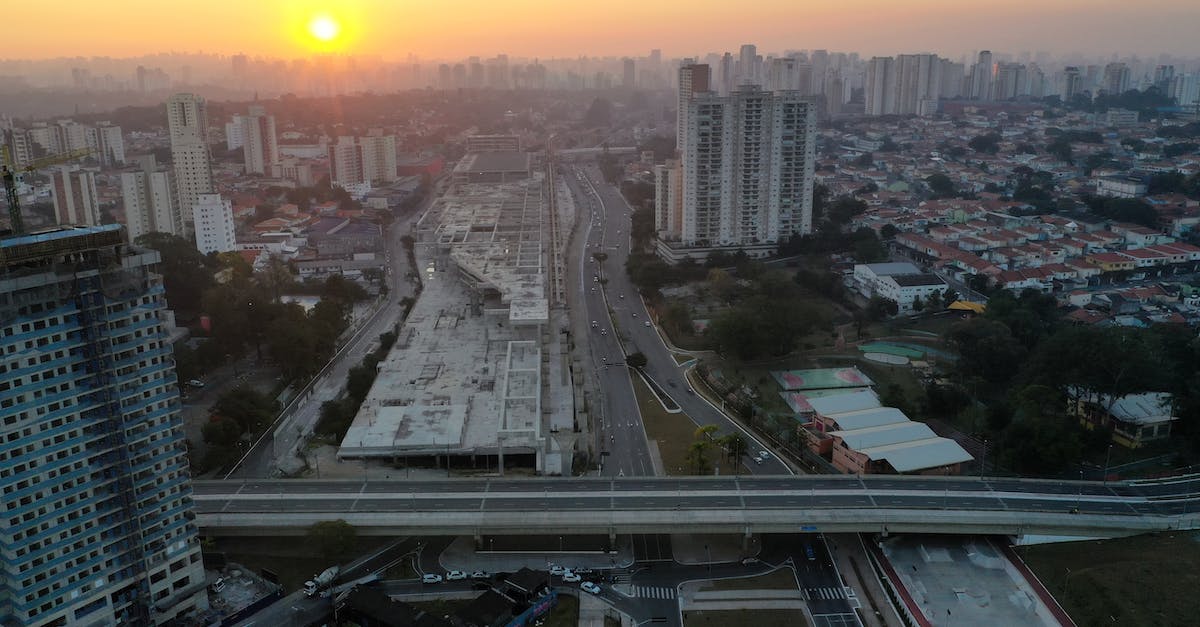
pixel 1135 419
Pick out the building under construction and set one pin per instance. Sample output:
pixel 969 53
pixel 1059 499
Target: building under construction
pixel 98 516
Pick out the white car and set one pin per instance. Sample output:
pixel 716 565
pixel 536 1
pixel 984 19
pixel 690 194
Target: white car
pixel 196 383
pixel 588 586
pixel 556 570
pixel 480 574
pixel 570 577
pixel 455 575
pixel 647 323
pixel 431 578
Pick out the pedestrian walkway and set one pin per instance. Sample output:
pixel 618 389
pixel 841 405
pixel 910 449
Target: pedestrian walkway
pixel 653 592
pixel 824 593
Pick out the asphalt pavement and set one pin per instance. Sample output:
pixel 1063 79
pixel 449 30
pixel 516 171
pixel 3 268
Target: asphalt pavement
pixel 630 316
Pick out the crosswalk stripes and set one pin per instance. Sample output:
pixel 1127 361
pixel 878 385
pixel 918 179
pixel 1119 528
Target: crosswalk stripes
pixel 826 593
pixel 653 592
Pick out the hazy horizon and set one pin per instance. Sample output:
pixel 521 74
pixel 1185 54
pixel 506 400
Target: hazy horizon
pixel 532 28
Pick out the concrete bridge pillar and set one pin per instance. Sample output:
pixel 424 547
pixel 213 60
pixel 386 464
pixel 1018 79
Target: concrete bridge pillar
pixel 478 541
pixel 747 540
pixel 612 539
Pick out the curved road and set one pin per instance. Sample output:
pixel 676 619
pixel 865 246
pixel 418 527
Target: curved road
pixel 630 316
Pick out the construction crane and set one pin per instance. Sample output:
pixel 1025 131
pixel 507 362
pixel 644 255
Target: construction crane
pixel 10 172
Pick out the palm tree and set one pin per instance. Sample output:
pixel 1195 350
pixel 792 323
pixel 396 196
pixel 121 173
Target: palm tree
pixel 698 457
pixel 698 452
pixel 734 445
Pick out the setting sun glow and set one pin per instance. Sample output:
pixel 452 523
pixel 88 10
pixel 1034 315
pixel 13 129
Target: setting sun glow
pixel 323 28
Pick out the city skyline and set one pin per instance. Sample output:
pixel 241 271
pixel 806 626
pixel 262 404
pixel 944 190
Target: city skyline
pixel 537 29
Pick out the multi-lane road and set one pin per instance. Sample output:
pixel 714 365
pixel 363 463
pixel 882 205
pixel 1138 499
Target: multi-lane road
pixel 621 436
pixel 647 505
pixel 610 233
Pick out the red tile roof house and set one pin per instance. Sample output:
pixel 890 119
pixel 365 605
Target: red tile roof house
pixel 1146 258
pixel 1018 280
pixel 1083 269
pixel 1179 251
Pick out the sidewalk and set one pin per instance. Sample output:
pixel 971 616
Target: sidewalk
pixel 857 573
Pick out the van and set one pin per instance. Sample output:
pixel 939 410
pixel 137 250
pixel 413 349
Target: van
pixel 217 586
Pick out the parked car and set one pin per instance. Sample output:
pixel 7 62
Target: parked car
pixel 570 577
pixel 588 586
pixel 556 570
pixel 196 383
pixel 431 578
pixel 480 574
pixel 455 575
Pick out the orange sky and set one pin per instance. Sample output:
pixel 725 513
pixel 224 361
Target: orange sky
pixel 563 28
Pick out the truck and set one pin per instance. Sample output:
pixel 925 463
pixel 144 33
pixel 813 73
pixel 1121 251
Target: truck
pixel 321 581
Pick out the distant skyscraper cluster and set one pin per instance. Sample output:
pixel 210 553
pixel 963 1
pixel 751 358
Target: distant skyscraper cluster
pixel 369 159
pixel 44 139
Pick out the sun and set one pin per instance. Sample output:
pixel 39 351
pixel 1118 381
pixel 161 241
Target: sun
pixel 324 28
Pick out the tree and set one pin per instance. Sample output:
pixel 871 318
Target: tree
pixel 934 303
pixel 940 185
pixel 359 380
pixel 293 343
pixel 333 539
pixel 186 273
pixel 734 445
pixel 252 410
pixel 697 457
pixel 841 212
pixel 698 451
pixel 987 349
pixel 888 231
pixel 879 308
pixel 337 287
pixel 1060 149
pixel 676 319
pixel 988 143
pixel 221 431
pixel 1133 210
pixel 867 247
pixel 918 304
pixel 723 285
pixel 979 283
pixel 636 360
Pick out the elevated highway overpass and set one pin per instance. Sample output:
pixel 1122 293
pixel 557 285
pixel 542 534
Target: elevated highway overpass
pixel 747 505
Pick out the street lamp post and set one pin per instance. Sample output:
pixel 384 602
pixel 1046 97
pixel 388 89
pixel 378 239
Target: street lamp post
pixel 1107 457
pixel 983 463
pixel 1079 496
